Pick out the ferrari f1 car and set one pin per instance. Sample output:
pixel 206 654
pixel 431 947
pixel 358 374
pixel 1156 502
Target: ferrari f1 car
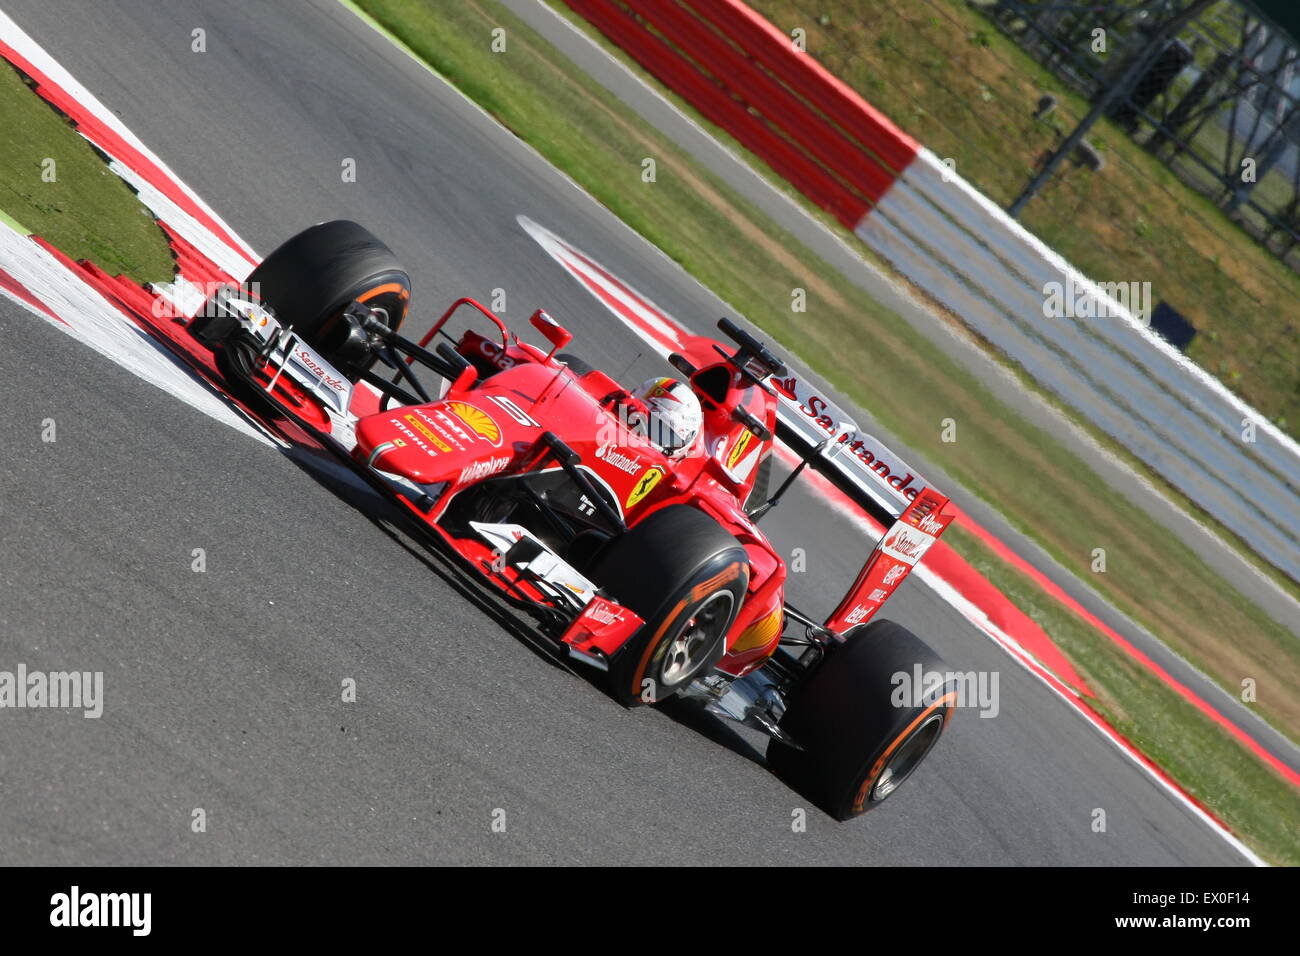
pixel 625 522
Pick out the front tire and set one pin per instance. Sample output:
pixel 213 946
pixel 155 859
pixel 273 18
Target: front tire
pixel 860 741
pixel 310 279
pixel 686 577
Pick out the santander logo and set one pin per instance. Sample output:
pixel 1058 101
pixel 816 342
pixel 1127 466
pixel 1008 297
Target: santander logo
pixel 603 613
pixel 306 359
pixel 907 544
pixel 823 414
pixel 607 454
pixel 901 543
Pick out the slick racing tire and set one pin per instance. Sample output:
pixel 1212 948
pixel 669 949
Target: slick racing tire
pixel 862 734
pixel 686 577
pixel 310 279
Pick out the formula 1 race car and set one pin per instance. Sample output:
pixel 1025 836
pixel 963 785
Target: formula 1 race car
pixel 624 521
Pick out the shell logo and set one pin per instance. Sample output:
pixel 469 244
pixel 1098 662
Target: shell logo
pixel 760 633
pixel 477 421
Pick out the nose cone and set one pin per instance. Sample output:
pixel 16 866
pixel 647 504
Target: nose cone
pixel 443 441
pixel 411 442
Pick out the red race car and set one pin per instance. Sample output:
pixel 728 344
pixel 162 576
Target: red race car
pixel 624 521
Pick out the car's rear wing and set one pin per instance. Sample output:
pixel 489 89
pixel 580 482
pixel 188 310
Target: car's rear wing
pixel 913 513
pixel 857 462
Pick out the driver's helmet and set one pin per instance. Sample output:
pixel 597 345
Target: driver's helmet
pixel 672 416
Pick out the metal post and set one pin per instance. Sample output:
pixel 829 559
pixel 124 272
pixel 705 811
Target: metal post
pixel 1130 76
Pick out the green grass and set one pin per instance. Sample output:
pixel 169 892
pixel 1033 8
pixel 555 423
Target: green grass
pixel 943 72
pixel 87 211
pixel 867 351
pixel 1260 807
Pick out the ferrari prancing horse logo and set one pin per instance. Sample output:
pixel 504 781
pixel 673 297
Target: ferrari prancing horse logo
pixel 644 485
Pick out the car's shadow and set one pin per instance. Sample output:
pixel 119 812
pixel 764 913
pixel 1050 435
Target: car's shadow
pixel 341 481
pixel 691 714
pixel 337 478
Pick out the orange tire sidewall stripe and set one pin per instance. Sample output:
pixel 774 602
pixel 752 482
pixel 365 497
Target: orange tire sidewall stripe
pixel 946 700
pixel 397 287
pixel 698 593
pixel 639 675
pixel 369 294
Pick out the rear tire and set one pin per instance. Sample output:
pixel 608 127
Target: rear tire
pixel 310 279
pixel 858 745
pixel 686 577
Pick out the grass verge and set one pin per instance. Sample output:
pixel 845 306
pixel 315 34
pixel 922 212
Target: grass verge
pixel 56 185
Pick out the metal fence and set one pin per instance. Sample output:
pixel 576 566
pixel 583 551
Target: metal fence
pixel 1220 104
pixel 1156 194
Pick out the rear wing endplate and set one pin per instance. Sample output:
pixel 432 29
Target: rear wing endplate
pixel 899 550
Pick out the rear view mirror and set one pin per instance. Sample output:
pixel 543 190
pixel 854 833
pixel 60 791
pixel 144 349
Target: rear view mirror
pixel 555 333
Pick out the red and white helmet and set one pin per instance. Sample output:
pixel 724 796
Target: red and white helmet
pixel 673 418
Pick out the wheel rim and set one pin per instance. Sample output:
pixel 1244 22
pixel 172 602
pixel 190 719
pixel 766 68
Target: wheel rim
pixel 908 756
pixel 691 646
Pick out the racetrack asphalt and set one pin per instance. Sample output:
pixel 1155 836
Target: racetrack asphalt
pixel 223 688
